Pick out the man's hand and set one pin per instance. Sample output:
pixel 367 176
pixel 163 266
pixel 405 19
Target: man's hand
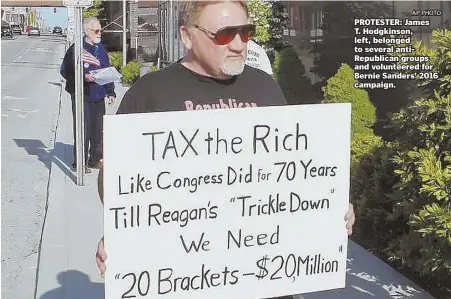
pixel 111 100
pixel 101 257
pixel 349 218
pixel 89 78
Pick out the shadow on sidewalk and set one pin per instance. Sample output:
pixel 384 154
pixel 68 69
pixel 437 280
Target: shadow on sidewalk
pixel 58 84
pixel 60 154
pixel 75 285
pixel 369 277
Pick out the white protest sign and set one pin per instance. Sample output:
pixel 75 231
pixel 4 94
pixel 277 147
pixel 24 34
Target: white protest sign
pixel 257 57
pixel 232 203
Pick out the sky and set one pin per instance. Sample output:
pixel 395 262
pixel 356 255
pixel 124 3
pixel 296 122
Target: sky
pixel 54 19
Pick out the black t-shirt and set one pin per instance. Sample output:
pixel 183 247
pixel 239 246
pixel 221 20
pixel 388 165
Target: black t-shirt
pixel 176 88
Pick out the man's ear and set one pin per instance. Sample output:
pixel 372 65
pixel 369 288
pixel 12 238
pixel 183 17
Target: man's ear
pixel 186 36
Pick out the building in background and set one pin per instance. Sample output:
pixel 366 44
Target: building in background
pixel 305 19
pixel 15 15
pixel 152 30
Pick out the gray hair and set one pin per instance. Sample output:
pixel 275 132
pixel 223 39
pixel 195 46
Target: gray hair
pixel 88 21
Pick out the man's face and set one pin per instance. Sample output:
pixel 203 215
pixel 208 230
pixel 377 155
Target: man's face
pixel 227 59
pixel 93 32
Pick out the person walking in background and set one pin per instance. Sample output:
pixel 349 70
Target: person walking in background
pixel 94 57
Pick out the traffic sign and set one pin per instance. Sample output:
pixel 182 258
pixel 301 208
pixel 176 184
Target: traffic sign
pixel 77 3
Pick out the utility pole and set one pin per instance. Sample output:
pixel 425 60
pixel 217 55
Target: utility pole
pixel 78 49
pixel 124 32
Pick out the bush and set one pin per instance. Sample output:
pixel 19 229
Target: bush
pixel 290 74
pixel 423 166
pixel 440 60
pixel 402 189
pixel 371 185
pixel 340 89
pixel 116 59
pixel 402 195
pixel 131 72
pixel 361 145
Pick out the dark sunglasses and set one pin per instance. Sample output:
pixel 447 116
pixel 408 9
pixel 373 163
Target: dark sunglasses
pixel 96 31
pixel 226 34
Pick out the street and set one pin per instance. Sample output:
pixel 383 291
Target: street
pixel 30 95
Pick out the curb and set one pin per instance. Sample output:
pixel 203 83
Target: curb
pixel 52 145
pixel 53 241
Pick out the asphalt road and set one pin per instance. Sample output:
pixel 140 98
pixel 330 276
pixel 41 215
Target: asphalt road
pixel 29 100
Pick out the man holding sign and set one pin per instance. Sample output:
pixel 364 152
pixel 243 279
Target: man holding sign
pixel 212 75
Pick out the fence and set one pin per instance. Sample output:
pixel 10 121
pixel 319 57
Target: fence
pixel 158 35
pixel 171 47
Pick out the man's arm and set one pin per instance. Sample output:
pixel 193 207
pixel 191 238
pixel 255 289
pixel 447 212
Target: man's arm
pixel 66 68
pixel 100 184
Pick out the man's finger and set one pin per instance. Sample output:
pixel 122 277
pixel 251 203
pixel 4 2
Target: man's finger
pixel 100 259
pixel 102 268
pixel 349 212
pixel 350 223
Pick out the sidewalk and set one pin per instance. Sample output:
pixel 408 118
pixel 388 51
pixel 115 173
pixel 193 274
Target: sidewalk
pixel 74 225
pixel 74 222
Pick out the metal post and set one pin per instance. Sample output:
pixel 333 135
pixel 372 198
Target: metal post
pixel 124 32
pixel 79 129
pixel 171 31
pixel 136 43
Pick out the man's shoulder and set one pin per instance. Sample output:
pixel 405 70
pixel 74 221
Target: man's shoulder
pixel 70 48
pixel 264 85
pixel 154 78
pixel 146 92
pixel 256 74
pixel 102 48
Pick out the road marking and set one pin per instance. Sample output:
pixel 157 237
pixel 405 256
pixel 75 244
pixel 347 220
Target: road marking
pixel 21 55
pixel 22 113
pixel 44 50
pixel 4 115
pixel 5 97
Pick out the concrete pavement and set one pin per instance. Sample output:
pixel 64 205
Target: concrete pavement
pixel 74 226
pixel 74 222
pixel 30 98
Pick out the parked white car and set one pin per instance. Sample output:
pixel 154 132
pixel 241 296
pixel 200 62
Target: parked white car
pixel 34 31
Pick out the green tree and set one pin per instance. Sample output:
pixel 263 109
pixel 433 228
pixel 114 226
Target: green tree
pixel 337 47
pixel 93 11
pixel 260 12
pixel 289 72
pixel 438 79
pixel 277 23
pixel 338 33
pixel 402 189
pixel 423 166
pixel 340 89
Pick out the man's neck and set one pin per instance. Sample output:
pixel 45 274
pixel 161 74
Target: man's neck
pixel 196 67
pixel 89 42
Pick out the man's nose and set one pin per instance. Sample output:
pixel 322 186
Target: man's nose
pixel 236 45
